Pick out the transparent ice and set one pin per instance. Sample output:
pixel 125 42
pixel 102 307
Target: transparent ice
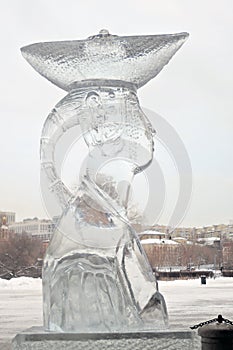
pixel 96 277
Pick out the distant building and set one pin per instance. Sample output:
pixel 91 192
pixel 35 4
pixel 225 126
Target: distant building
pixel 159 250
pixel 187 233
pixel 181 240
pixel 162 228
pixel 193 234
pixel 38 228
pixel 211 241
pixel 151 234
pixel 221 231
pixel 227 255
pixel 5 232
pixel 8 216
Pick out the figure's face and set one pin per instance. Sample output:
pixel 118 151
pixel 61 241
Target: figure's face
pixel 113 121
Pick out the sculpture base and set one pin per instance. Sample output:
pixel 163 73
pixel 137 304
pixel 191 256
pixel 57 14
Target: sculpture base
pixel 36 338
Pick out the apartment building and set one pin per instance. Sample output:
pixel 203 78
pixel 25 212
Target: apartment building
pixel 39 228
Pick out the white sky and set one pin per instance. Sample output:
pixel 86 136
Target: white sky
pixel 194 92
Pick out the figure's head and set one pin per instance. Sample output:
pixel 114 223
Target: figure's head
pixel 112 121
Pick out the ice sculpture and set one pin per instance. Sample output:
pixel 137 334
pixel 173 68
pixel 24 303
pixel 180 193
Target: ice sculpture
pixel 96 277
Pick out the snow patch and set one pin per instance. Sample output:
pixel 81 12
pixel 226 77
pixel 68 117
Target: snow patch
pixel 21 283
pixel 157 241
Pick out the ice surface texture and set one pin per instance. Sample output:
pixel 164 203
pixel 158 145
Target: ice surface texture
pixel 96 277
pixel 135 59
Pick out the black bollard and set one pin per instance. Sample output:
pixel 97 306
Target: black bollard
pixel 203 279
pixel 218 336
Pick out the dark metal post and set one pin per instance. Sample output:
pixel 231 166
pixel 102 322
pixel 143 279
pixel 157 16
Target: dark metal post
pixel 218 336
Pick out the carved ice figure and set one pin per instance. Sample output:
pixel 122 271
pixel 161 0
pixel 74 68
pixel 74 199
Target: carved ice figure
pixel 96 277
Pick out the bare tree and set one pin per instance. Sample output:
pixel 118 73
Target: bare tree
pixel 165 255
pixel 20 256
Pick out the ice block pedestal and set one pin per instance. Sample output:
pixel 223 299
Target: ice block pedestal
pixel 36 338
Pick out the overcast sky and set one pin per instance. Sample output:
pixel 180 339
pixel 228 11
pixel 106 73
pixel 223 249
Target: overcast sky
pixel 193 93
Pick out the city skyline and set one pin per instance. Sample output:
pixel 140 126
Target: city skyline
pixel 156 227
pixel 193 93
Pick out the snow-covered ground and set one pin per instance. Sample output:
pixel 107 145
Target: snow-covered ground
pixel 20 306
pixel 188 303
